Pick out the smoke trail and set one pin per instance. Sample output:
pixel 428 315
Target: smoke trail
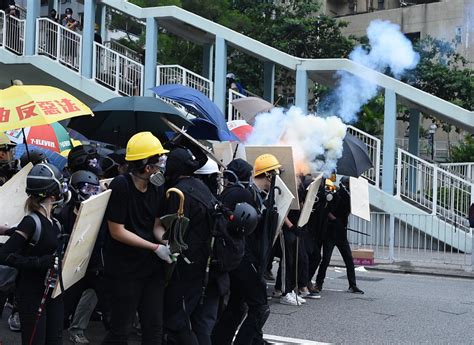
pixel 316 141
pixel 389 50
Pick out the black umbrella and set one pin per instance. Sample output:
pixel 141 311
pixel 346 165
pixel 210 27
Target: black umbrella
pixel 117 119
pixel 355 159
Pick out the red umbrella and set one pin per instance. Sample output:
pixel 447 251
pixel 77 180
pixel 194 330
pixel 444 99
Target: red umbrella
pixel 240 128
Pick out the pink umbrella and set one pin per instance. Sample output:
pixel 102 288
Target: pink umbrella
pixel 240 128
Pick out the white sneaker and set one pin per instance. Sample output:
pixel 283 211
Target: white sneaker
pixel 298 298
pixel 288 299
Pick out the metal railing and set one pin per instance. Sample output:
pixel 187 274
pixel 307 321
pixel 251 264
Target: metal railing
pixel 117 72
pixel 12 33
pixel 434 189
pixel 58 42
pixel 440 147
pixel 175 74
pixel 232 113
pixel 464 170
pixel 124 50
pixel 374 147
pixel 400 237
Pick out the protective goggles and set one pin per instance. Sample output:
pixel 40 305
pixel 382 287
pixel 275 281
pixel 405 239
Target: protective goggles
pixel 89 189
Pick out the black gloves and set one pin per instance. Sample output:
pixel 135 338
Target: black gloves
pixel 298 231
pixel 31 262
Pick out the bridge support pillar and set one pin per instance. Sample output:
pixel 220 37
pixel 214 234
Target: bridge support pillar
pixel 30 29
pixel 151 52
pixel 413 145
pixel 88 38
pixel 389 130
pixel 220 87
pixel 269 81
pixel 101 20
pixel 207 60
pixel 301 93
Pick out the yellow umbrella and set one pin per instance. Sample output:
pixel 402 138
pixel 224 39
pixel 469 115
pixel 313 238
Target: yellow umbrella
pixel 74 143
pixel 33 105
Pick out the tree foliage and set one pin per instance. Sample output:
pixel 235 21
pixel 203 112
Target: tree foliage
pixel 464 151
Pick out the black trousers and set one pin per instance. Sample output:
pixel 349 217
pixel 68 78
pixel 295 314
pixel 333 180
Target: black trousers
pixel 343 246
pixel 314 258
pixel 49 329
pixel 247 295
pixel 129 296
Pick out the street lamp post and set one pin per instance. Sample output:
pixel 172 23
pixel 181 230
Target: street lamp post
pixel 432 132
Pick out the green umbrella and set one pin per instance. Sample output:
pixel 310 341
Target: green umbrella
pixel 176 224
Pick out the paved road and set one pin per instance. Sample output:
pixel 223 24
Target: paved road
pixel 396 309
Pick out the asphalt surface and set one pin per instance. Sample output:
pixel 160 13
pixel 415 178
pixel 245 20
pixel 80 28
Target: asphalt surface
pixel 395 309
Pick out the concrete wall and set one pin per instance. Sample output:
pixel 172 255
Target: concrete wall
pixel 448 20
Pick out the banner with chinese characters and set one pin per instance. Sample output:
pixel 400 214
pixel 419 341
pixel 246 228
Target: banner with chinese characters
pixel 28 105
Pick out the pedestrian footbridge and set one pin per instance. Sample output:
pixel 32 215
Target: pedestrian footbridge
pixel 38 50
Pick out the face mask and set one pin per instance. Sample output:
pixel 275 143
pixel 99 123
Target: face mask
pixel 157 179
pixel 69 16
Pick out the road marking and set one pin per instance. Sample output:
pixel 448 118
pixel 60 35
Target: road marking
pixel 275 339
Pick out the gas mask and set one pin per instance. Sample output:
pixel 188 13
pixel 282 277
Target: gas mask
pixel 158 178
pixel 69 16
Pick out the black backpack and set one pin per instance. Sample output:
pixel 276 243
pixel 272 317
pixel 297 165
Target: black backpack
pixel 227 251
pixel 8 274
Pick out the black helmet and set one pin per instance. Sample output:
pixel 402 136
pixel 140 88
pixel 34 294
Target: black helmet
pixel 36 157
pixel 68 10
pixel 83 185
pixel 239 169
pixel 245 219
pixel 181 162
pixel 345 181
pixel 45 180
pixel 79 157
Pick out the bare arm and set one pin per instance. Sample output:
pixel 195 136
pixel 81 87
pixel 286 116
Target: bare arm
pixel 159 231
pixel 119 233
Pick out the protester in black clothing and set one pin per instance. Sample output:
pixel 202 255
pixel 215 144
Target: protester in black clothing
pixel 248 288
pixel 83 184
pixel 135 252
pixel 209 174
pixel 33 256
pixel 9 166
pixel 33 156
pixel 83 157
pixel 337 236
pixel 114 164
pixel 53 15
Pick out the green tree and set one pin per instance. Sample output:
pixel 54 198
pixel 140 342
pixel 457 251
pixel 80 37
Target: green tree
pixel 464 151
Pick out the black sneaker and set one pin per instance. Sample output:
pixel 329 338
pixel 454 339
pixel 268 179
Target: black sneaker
pixel 355 289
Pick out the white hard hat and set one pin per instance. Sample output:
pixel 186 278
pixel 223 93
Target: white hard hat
pixel 210 167
pixel 230 76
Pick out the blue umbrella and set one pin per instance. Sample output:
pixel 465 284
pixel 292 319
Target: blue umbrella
pixel 53 157
pixel 199 104
pixel 203 129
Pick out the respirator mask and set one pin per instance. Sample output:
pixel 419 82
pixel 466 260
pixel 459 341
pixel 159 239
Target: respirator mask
pixel 158 178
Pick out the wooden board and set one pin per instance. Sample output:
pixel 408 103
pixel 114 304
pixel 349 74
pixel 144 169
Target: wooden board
pixel 284 154
pixel 360 205
pixel 105 183
pixel 82 240
pixel 283 201
pixel 223 151
pixel 312 192
pixel 13 198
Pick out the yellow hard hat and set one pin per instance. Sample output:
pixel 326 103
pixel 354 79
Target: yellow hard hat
pixel 330 185
pixel 5 142
pixel 264 163
pixel 143 145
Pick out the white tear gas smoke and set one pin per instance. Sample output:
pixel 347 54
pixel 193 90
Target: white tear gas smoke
pixel 389 50
pixel 316 141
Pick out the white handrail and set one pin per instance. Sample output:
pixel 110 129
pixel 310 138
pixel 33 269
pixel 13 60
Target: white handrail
pixel 59 43
pixel 2 28
pixel 176 74
pixel 465 170
pixel 434 189
pixel 13 34
pixel 374 147
pixel 117 72
pixel 232 113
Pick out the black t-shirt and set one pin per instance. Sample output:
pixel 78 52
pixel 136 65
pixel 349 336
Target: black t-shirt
pixel 137 211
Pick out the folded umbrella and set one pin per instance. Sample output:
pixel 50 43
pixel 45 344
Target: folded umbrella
pixel 117 119
pixel 355 158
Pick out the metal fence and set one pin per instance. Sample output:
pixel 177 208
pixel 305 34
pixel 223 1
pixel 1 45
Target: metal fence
pixel 232 113
pixel 374 149
pixel 123 50
pixel 403 237
pixel 58 42
pixel 12 33
pixel 175 74
pixel 117 72
pixel 464 170
pixel 434 189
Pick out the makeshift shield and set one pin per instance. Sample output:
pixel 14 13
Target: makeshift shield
pixel 82 240
pixel 176 224
pixel 284 154
pixel 283 200
pixel 13 198
pixel 360 205
pixel 312 192
pixel 223 151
